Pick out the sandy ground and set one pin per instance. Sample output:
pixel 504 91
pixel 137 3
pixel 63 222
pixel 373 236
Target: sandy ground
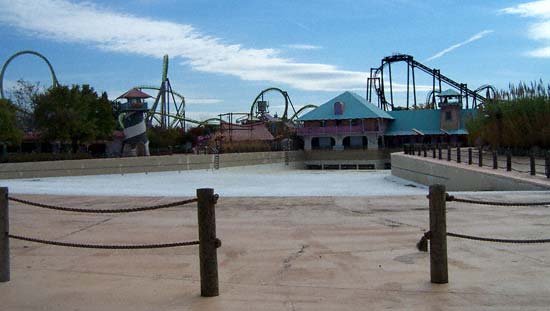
pixel 293 253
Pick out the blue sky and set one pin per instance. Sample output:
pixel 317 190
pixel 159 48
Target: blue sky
pixel 223 53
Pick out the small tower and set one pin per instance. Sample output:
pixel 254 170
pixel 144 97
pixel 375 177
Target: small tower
pixel 450 103
pixel 133 122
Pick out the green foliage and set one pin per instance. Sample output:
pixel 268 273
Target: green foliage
pixel 22 95
pixel 164 138
pixel 9 133
pixel 75 114
pixel 518 118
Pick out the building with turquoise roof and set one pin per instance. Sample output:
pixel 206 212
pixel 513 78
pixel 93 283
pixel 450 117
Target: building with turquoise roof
pixel 348 121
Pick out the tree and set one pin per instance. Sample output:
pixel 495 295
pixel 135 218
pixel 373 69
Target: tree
pixel 76 114
pixel 22 95
pixel 9 133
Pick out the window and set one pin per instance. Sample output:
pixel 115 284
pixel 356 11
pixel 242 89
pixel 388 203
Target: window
pixel 448 116
pixel 338 108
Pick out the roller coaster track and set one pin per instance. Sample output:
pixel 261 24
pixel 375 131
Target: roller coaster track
pixel 7 62
pixel 276 89
pixel 302 109
pixel 377 75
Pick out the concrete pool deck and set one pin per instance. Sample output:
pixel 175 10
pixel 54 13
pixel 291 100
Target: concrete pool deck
pixel 294 253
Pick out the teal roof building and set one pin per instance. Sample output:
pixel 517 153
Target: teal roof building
pixel 350 121
pixel 355 107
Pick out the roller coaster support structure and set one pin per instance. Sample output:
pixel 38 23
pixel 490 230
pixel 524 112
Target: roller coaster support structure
pixel 375 84
pixel 164 101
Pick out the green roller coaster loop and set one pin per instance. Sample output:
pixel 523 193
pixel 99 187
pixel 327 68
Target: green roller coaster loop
pixel 302 109
pixel 7 62
pixel 276 89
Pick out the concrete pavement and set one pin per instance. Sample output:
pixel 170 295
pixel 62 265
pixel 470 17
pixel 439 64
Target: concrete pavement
pixel 299 253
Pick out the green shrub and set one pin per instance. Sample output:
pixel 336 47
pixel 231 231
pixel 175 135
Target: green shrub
pixel 518 118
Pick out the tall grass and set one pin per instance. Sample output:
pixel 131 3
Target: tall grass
pixel 517 118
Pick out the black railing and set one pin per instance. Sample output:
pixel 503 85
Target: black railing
pixel 533 165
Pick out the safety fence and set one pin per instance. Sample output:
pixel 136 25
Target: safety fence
pixel 535 166
pixel 208 242
pixel 437 235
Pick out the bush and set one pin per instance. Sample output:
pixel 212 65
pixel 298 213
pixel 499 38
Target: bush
pixel 518 118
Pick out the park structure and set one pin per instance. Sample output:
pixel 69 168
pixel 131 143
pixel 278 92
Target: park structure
pixel 348 121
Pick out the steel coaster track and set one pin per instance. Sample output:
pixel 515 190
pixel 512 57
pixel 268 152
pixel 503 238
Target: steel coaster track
pixel 376 81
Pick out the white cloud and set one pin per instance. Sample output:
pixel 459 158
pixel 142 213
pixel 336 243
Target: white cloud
pixel 473 38
pixel 202 101
pixel 539 8
pixel 303 47
pixel 539 30
pixel 87 23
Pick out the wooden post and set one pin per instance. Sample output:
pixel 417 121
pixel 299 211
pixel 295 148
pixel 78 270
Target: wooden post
pixel 4 238
pixel 449 152
pixel 438 235
pixel 495 160
pixel 458 155
pixel 439 151
pixel 208 242
pixel 532 162
pixel 469 156
pixel 424 148
pixel 508 161
pixel 419 151
pixel 433 151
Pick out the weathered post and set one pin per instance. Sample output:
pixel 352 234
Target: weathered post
pixel 405 149
pixel 419 151
pixel 495 160
pixel 532 162
pixel 438 235
pixel 480 157
pixel 449 152
pixel 458 155
pixel 208 243
pixel 440 157
pixel 469 156
pixel 425 149
pixel 508 161
pixel 433 151
pixel 4 238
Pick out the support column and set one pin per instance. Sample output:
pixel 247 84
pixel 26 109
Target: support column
pixel 307 143
pixel 208 243
pixel 4 238
pixel 438 235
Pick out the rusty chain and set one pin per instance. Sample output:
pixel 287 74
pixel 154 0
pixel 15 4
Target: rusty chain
pixel 422 244
pixel 101 246
pixel 103 211
pixel 451 198
pixel 512 241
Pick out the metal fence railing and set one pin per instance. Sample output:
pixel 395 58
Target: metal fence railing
pixel 532 165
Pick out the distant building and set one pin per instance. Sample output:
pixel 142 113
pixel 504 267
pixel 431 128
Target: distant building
pixel 348 121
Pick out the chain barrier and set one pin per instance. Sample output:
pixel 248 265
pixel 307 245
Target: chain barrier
pixel 451 198
pixel 422 244
pixel 511 241
pixel 101 246
pixel 102 211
